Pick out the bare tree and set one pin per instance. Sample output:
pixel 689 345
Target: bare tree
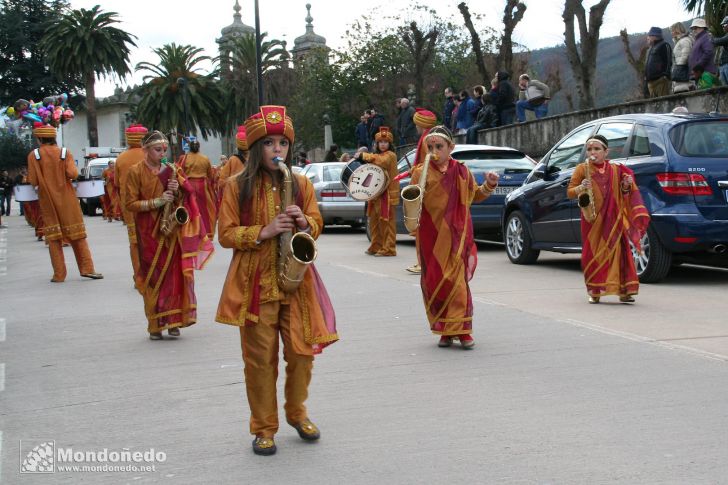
pixel 421 46
pixel 583 58
pixel 512 14
pixel 638 63
pixel 475 41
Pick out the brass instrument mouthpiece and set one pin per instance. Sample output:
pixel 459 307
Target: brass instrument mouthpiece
pixel 277 159
pixel 592 158
pixel 434 156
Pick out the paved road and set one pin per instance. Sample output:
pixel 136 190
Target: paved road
pixel 556 391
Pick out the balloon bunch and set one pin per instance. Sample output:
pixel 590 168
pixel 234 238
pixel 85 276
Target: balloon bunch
pixel 53 110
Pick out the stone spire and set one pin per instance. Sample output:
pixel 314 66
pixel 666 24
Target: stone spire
pixel 236 29
pixel 308 41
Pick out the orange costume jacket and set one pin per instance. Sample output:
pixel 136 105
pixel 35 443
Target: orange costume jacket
pixel 252 276
pixel 59 207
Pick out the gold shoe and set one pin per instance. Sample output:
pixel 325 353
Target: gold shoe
pixel 93 276
pixel 307 430
pixel 264 446
pixel 415 269
pixel 155 336
pixel 626 299
pixel 174 332
pixel 594 299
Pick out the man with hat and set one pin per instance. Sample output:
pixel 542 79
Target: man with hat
pixel 658 64
pixel 124 162
pixel 702 51
pixel 50 170
pixel 723 61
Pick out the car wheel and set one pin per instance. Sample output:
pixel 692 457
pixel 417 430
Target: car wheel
pixel 654 262
pixel 518 240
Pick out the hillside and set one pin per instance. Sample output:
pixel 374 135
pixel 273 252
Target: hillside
pixel 617 79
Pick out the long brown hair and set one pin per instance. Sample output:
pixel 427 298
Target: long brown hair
pixel 253 171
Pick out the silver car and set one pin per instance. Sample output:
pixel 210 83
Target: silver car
pixel 335 203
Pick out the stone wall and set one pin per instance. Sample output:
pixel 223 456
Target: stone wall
pixel 536 137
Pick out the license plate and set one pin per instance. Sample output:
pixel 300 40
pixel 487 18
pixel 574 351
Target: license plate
pixel 506 190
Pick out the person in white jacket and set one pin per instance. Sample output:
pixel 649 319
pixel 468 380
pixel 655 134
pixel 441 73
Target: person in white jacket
pixel 680 53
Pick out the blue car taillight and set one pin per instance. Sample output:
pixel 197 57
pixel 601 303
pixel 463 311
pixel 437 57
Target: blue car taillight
pixel 675 183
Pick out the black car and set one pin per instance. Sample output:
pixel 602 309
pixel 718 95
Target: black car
pixel 681 167
pixel 511 165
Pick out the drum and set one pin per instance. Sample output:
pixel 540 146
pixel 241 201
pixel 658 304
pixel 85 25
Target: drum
pixel 364 181
pixel 89 188
pixel 25 193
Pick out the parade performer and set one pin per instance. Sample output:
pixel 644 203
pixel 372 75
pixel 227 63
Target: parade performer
pixel 110 192
pixel 105 199
pixel 198 169
pixel 424 121
pixel 124 162
pixel 236 163
pixel 31 210
pixel 380 210
pixel 169 248
pixel 445 246
pixel 253 223
pixel 50 170
pixel 613 215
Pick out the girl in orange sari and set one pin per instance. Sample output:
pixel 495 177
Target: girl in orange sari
pixel 620 218
pixel 166 261
pixel 445 246
pixel 251 222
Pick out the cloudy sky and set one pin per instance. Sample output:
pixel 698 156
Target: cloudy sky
pixel 156 23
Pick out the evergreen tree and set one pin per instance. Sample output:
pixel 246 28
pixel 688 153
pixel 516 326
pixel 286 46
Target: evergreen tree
pixel 24 72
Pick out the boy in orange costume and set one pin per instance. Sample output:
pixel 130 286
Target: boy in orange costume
pixel 51 170
pixel 380 210
pixel 251 221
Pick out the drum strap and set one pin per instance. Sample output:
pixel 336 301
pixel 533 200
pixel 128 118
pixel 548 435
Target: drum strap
pixel 64 150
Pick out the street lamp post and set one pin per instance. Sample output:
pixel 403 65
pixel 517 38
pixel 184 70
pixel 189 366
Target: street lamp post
pixel 258 56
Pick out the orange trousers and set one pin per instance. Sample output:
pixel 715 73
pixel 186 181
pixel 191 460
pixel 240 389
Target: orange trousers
pixel 80 251
pixel 383 232
pixel 259 343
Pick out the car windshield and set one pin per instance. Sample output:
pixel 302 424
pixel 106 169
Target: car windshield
pixel 495 161
pixel 701 139
pixel 96 170
pixel 406 161
pixel 332 173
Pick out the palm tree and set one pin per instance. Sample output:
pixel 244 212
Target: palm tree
pixel 713 10
pixel 162 103
pixel 84 43
pixel 239 84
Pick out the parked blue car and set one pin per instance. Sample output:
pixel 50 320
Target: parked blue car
pixel 511 165
pixel 681 167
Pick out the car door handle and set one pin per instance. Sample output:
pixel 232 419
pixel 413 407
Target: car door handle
pixel 565 183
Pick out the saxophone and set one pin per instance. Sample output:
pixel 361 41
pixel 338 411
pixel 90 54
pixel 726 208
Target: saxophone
pixel 295 251
pixel 586 198
pixel 177 217
pixel 412 197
